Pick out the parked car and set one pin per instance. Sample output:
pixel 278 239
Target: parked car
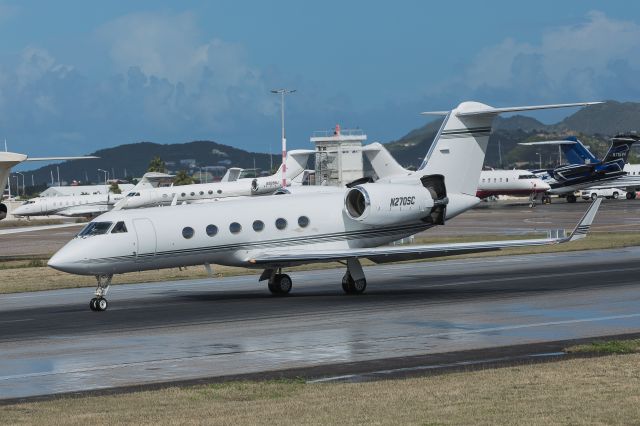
pixel 593 193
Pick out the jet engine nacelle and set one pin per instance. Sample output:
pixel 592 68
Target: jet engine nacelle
pixel 384 204
pixel 3 211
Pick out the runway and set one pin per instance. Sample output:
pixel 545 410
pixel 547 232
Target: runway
pixel 51 343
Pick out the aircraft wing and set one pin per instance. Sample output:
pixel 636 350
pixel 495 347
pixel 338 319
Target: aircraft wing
pixel 86 157
pixel 396 253
pixel 88 210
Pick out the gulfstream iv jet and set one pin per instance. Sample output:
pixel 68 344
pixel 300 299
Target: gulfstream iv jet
pixel 308 224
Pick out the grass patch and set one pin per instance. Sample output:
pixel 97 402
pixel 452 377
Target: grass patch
pixel 608 347
pixel 603 390
pixel 21 276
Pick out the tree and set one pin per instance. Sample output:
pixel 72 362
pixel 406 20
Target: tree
pixel 157 165
pixel 115 189
pixel 182 178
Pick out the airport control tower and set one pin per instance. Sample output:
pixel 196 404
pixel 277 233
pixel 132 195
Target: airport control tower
pixel 338 156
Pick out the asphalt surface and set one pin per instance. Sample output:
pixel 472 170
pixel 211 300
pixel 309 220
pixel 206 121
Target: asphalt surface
pixel 51 343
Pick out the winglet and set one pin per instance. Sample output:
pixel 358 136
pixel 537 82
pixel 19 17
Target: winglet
pixel 581 230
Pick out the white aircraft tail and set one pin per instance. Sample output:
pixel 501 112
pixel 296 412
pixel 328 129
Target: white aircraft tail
pixel 232 174
pixel 460 145
pixel 296 163
pixel 152 180
pixel 382 162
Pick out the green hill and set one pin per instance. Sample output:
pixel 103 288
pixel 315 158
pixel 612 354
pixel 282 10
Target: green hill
pixel 134 159
pixel 593 125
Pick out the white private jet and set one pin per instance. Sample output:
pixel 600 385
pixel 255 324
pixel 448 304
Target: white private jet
pixel 205 192
pixel 517 183
pixel 11 159
pixel 89 205
pixel 310 225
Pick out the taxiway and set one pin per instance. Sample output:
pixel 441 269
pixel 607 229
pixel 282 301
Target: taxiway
pixel 51 343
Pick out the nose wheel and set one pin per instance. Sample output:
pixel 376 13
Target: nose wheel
pixel 99 303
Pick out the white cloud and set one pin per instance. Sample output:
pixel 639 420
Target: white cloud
pixel 591 59
pixel 177 72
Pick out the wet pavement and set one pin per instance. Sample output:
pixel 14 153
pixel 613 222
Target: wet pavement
pixel 51 343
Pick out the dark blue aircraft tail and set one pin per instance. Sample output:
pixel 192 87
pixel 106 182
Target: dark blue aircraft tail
pixel 620 147
pixel 577 153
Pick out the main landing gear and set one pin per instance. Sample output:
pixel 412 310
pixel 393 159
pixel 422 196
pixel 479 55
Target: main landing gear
pixel 99 303
pixel 280 284
pixel 353 282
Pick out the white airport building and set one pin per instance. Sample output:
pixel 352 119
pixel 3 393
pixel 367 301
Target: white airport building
pixel 338 156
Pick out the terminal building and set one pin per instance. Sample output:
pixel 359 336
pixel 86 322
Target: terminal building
pixel 338 156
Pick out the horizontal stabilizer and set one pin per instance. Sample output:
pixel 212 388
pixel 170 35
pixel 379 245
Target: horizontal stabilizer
pixel 487 110
pixel 563 142
pixel 491 110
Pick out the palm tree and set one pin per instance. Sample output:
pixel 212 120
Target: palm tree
pixel 157 165
pixel 182 178
pixel 115 189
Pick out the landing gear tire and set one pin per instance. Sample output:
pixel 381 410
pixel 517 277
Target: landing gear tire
pixel 351 286
pixel 280 284
pixel 571 198
pixel 98 304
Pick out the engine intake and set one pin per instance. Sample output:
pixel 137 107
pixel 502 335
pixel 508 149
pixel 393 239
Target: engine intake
pixel 383 204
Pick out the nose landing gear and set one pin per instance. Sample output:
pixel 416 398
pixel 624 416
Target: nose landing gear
pixel 99 303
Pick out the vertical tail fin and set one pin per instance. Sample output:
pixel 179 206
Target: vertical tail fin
pixel 620 147
pixel 382 162
pixel 577 153
pixel 296 162
pixel 459 148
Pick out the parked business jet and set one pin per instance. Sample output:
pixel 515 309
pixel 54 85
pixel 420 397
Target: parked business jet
pixel 309 225
pixel 89 205
pixel 205 192
pixel 630 184
pixel 11 159
pixel 517 183
pixel 68 205
pixel 584 169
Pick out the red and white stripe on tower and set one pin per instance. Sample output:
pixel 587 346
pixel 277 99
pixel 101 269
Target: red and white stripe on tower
pixel 283 92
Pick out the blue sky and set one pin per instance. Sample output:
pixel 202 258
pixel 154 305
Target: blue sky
pixel 76 76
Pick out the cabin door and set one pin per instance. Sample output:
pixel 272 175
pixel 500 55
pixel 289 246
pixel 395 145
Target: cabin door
pixel 146 235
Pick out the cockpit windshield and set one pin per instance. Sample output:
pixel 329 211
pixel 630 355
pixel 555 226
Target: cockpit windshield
pixel 95 228
pixel 527 177
pixel 133 194
pixel 28 202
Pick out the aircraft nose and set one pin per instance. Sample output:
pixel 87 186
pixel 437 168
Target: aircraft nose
pixel 66 261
